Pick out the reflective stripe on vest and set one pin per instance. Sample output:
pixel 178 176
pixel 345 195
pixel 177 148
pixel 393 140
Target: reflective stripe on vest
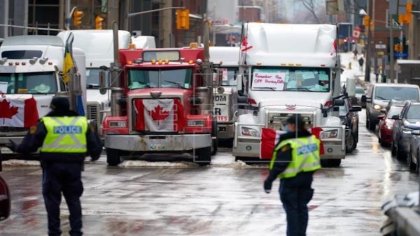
pixel 65 134
pixel 305 156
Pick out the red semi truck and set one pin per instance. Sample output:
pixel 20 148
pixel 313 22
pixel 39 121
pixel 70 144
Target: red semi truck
pixel 163 103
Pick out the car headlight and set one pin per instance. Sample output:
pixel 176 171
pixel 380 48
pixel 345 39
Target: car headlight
pixel 118 124
pixel 329 134
pixel 195 123
pixel 246 131
pixel 377 107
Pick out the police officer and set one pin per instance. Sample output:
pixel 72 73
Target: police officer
pixel 64 139
pixel 295 159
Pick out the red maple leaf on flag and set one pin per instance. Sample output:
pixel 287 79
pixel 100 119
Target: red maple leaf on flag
pixel 7 111
pixel 158 113
pixel 244 44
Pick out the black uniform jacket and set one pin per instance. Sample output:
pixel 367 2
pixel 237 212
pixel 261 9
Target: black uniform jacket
pixel 284 156
pixel 36 135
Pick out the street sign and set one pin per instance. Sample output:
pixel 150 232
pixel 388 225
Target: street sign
pixel 380 46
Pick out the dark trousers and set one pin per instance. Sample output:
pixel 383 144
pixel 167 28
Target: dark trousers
pixel 60 177
pixel 295 194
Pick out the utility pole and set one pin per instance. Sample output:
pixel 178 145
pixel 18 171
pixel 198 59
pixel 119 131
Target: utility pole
pixel 391 45
pixel 369 38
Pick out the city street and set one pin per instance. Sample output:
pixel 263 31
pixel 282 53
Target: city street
pixel 226 198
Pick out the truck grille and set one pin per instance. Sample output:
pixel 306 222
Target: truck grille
pixel 12 131
pixel 93 112
pixel 277 121
pixel 157 115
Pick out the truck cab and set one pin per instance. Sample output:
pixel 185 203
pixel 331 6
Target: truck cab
pixel 225 96
pixel 289 69
pixel 163 105
pixel 31 74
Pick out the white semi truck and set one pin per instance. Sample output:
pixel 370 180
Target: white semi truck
pixel 98 47
pixel 225 96
pixel 289 69
pixel 31 74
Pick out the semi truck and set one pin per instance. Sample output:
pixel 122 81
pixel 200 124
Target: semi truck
pixel 289 69
pixel 32 72
pixel 161 103
pixel 225 96
pixel 98 46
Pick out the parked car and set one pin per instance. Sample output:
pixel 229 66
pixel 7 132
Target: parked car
pixel 349 116
pixel 407 121
pixel 386 122
pixel 414 155
pixel 4 197
pixel 378 96
pixel 359 92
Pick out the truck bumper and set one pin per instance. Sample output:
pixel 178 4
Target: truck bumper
pixel 158 143
pixel 5 139
pixel 225 130
pixel 333 150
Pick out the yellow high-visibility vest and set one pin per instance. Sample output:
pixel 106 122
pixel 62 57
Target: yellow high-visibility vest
pixel 305 156
pixel 65 134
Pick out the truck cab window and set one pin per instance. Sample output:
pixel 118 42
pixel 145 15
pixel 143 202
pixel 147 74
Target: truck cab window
pixel 173 78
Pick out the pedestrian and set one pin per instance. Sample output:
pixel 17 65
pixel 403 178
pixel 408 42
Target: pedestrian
pixel 361 62
pixel 295 159
pixel 355 54
pixel 64 139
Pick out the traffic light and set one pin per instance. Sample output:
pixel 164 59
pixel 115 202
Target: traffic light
pixel 366 21
pixel 99 21
pixel 77 18
pixel 183 19
pixel 397 47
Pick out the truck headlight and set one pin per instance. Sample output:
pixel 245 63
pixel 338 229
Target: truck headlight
pixel 329 134
pixel 377 107
pixel 118 124
pixel 195 123
pixel 246 131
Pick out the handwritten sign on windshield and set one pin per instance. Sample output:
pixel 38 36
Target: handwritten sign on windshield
pixel 268 79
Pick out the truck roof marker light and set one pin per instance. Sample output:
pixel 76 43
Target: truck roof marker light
pixel 193 45
pixel 322 65
pixel 17 63
pixel 181 60
pixel 259 63
pixel 166 61
pixel 50 63
pixel 160 62
pixel 33 60
pixel 131 46
pixel 3 60
pixel 138 61
pixel 10 63
pixel 153 61
pixel 23 63
pixel 129 62
pixel 43 60
pixel 190 62
pixel 283 64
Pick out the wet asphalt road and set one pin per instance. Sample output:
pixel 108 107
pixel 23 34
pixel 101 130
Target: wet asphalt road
pixel 180 198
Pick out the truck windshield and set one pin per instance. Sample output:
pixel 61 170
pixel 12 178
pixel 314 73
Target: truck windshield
pixel 24 83
pixel 291 79
pixel 397 93
pixel 413 112
pixel 170 78
pixel 229 76
pixel 92 78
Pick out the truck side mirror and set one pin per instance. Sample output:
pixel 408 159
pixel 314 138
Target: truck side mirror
pixel 363 98
pixel 338 102
pixel 395 117
pixel 102 82
pixel 355 108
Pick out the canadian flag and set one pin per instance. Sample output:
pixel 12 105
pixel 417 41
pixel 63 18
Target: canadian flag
pixel 159 115
pixel 270 137
pixel 244 44
pixel 18 112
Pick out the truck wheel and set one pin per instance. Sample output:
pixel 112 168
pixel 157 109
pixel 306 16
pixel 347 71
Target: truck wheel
pixel 410 163
pixel 113 157
pixel 372 126
pixel 350 143
pixel 214 141
pixel 203 156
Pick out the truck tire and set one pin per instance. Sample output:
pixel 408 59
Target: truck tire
pixel 214 140
pixel 113 157
pixel 411 166
pixel 371 126
pixel 203 156
pixel 350 142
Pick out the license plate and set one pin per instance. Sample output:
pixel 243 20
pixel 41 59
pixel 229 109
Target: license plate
pixel 156 146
